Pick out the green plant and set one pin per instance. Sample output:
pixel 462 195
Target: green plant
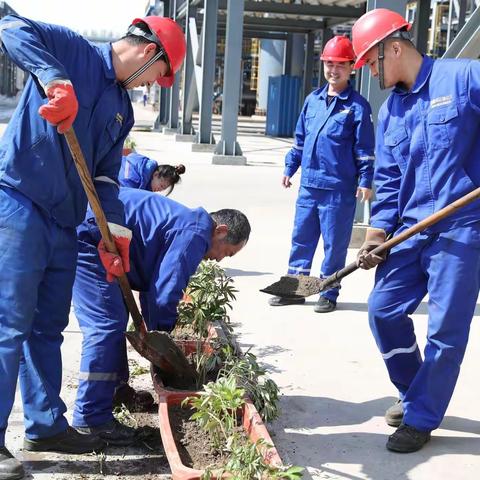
pixel 216 408
pixel 129 142
pixel 252 378
pixel 216 411
pixel 210 293
pixel 209 296
pixel 122 414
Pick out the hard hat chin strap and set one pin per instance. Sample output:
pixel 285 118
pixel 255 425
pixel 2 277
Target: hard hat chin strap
pixel 381 71
pixel 133 76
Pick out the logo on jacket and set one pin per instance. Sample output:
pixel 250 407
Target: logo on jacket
pixel 119 118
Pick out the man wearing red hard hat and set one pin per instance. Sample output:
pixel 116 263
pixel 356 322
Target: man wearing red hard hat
pixel 425 160
pixel 334 144
pixel 71 82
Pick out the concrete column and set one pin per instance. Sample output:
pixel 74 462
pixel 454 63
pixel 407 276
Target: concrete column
pixel 327 34
pixel 270 64
pixel 228 151
pixel 421 25
pixel 187 81
pixel 209 41
pixel 172 125
pixel 308 65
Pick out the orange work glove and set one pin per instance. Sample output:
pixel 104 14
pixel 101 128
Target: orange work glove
pixel 373 239
pixel 62 106
pixel 116 265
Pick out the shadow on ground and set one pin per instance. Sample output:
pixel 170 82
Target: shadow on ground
pixel 325 453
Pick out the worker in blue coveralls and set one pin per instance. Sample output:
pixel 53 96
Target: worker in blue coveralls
pixel 71 83
pixel 168 243
pixel 139 171
pixel 334 145
pixel 426 159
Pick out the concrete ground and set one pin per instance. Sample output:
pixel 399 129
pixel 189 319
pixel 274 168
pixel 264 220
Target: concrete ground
pixel 334 384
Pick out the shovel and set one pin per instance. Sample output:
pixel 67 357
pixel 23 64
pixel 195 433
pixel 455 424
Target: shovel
pixel 301 286
pixel 158 347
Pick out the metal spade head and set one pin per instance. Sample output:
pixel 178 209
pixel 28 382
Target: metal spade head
pixel 295 286
pixel 163 352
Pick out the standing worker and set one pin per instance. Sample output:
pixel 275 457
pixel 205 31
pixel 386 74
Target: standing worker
pixel 334 144
pixel 42 200
pixel 168 243
pixel 139 171
pixel 426 159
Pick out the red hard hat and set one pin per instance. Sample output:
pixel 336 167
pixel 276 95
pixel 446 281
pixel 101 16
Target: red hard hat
pixel 171 37
pixel 372 28
pixel 338 49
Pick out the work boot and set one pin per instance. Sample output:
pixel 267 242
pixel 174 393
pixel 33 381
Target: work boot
pixel 394 414
pixel 69 441
pixel 407 439
pixel 10 467
pixel 134 400
pixel 282 301
pixel 324 305
pixel 113 432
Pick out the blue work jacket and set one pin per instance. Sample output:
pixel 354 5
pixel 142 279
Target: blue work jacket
pixel 334 144
pixel 137 171
pixel 34 158
pixel 428 147
pixel 168 243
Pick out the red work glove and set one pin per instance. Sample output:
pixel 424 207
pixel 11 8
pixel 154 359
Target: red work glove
pixel 373 239
pixel 116 265
pixel 62 106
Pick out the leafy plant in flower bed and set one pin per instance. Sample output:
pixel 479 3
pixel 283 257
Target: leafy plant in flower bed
pixel 216 411
pixel 210 293
pixel 252 378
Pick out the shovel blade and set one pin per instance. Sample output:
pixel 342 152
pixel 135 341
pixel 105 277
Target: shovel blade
pixel 294 286
pixel 163 352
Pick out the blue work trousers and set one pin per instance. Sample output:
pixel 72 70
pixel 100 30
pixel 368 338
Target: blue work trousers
pixel 329 213
pixel 102 316
pixel 37 267
pixel 446 266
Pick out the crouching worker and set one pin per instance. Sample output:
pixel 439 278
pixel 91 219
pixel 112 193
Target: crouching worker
pixel 168 243
pixel 142 172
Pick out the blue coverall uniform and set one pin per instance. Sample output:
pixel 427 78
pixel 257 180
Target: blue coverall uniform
pixel 169 241
pixel 137 171
pixel 42 201
pixel 334 145
pixel 428 151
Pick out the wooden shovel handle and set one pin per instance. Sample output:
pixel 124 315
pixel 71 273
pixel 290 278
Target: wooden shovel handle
pixel 409 232
pixel 107 237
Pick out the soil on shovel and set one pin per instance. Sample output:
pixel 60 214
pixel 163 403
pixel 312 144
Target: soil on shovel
pixel 292 287
pixel 194 444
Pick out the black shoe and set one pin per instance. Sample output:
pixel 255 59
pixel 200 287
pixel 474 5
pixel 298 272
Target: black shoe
pixel 282 301
pixel 112 432
pixel 324 305
pixel 134 400
pixel 69 441
pixel 10 467
pixel 394 414
pixel 407 439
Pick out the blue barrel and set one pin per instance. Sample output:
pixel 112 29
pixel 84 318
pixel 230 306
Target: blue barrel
pixel 283 106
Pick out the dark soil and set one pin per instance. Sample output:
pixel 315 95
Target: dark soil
pixel 295 286
pixel 179 383
pixel 194 444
